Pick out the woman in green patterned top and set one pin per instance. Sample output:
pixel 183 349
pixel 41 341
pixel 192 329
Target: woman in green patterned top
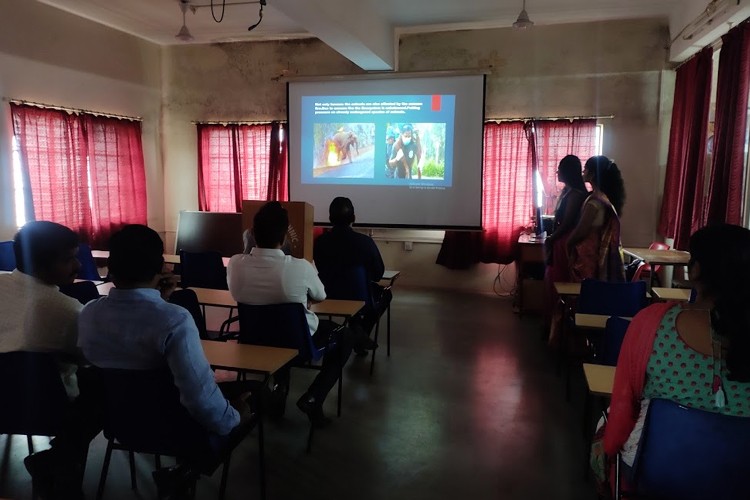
pixel 697 355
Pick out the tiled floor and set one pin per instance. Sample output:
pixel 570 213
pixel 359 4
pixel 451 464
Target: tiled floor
pixel 467 407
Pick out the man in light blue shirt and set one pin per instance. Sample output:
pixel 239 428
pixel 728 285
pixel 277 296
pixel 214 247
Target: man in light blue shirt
pixel 134 328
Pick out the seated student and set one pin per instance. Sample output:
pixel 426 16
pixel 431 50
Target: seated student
pixel 698 354
pixel 342 247
pixel 267 276
pixel 34 314
pixel 135 328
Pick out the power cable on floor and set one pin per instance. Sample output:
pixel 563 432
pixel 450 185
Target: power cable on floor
pixel 502 285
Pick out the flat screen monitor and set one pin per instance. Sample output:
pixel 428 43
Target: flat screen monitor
pixel 209 231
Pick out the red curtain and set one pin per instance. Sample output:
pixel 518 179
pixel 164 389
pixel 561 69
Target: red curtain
pixel 52 147
pixel 506 201
pixel 117 174
pixel 234 164
pixel 681 209
pixel 507 195
pixel 85 172
pixel 725 190
pixel 554 140
pixel 278 185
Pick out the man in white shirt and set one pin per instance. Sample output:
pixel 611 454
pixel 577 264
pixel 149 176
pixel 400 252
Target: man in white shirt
pixel 34 314
pixel 267 276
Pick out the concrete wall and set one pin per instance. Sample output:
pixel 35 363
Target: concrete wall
pixel 51 57
pixel 604 68
pixel 229 82
pixel 609 68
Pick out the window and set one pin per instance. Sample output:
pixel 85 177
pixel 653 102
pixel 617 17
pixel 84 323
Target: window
pixel 508 196
pixel 555 140
pixel 18 183
pixel 78 169
pixel 240 162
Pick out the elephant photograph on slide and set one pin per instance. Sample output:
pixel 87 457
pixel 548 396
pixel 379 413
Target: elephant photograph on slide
pixel 344 150
pixel 346 144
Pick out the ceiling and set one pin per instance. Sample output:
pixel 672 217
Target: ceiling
pixel 362 30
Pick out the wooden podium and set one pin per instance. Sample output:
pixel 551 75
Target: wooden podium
pixel 300 234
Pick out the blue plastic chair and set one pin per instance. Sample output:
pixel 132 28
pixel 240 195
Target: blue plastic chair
pixel 283 325
pixel 188 299
pixel 614 334
pixel 611 299
pixel 7 256
pixel 278 325
pixel 32 394
pixel 691 454
pixel 88 265
pixel 143 414
pixel 607 299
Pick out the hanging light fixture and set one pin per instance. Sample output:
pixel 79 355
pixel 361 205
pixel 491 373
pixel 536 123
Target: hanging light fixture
pixel 523 20
pixel 184 33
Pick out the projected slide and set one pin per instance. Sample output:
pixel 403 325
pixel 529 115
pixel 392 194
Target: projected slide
pixel 392 140
pixel 407 149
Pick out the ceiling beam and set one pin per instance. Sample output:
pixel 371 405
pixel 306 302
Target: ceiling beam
pixel 350 27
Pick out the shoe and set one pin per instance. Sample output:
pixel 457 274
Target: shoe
pixel 364 343
pixel 39 466
pixel 174 482
pixel 358 351
pixel 276 402
pixel 53 480
pixel 314 411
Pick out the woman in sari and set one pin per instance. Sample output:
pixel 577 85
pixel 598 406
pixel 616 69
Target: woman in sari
pixel 567 212
pixel 594 247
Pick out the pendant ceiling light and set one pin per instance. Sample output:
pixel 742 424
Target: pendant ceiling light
pixel 523 20
pixel 184 33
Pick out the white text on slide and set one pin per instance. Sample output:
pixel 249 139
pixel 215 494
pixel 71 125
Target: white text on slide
pixel 366 108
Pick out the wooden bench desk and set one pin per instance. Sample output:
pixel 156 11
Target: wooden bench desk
pixel 168 257
pixel 253 359
pixel 679 294
pixel 564 288
pixel 593 320
pixel 658 257
pixel 599 378
pixel 246 358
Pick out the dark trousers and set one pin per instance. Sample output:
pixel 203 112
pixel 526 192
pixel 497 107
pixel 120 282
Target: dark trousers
pixel 338 342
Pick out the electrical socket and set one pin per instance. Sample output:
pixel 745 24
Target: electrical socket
pixel 408 246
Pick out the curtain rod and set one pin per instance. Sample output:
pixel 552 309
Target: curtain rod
pixel 239 122
pixel 715 45
pixel 72 110
pixel 536 118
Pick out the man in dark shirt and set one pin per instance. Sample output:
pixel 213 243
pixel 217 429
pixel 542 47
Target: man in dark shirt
pixel 343 248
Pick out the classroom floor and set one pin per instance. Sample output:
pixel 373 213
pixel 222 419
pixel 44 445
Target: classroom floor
pixel 468 406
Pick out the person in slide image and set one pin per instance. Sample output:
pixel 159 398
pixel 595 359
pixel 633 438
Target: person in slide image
pixel 407 152
pixel 390 140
